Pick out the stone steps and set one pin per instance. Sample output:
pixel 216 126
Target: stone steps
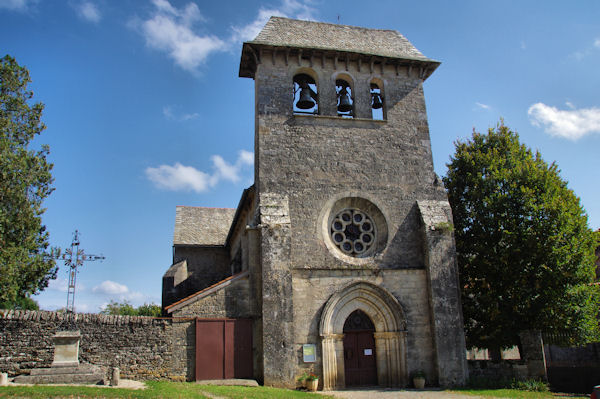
pixel 82 374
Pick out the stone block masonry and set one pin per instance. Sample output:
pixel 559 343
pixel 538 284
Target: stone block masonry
pixel 143 348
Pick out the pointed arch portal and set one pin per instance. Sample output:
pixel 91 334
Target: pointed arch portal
pixel 390 334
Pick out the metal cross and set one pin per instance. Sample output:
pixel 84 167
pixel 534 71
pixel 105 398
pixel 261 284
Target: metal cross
pixel 74 257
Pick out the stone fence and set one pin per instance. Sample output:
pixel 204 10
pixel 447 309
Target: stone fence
pixel 142 347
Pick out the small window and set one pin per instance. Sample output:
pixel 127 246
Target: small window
pixel 376 102
pixel 305 95
pixel 345 100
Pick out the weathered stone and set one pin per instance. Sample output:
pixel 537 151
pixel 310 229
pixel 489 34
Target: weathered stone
pixel 142 347
pixel 115 378
pixel 66 349
pixel 310 263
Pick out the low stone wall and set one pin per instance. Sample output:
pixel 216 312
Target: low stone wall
pixel 142 347
pixel 495 371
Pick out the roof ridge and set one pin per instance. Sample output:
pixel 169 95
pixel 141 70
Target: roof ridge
pixel 332 24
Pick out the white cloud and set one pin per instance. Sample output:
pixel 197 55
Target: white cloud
pixel 59 284
pixel 14 5
pixel 108 287
pixel 171 30
pixel 185 178
pixel 571 124
pixel 483 106
pixel 179 177
pixel 579 55
pixel 246 158
pixel 288 8
pixel 88 11
pixel 169 114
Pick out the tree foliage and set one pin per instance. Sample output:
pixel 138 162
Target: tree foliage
pixel 126 309
pixel 525 251
pixel 25 180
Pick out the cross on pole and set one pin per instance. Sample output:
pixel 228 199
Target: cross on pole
pixel 74 257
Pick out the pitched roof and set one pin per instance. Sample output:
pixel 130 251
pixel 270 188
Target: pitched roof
pixel 202 226
pixel 285 32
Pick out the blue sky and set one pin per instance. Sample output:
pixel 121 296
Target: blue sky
pixel 145 110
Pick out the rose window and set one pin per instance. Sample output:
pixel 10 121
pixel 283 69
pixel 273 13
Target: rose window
pixel 353 232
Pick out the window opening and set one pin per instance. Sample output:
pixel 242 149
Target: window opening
pixel 345 105
pixel 305 95
pixel 376 102
pixel 353 232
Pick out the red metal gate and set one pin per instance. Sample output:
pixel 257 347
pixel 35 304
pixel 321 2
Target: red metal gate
pixel 223 349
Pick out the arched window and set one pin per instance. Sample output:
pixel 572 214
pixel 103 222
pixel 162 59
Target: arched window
pixel 345 99
pixel 306 100
pixel 376 101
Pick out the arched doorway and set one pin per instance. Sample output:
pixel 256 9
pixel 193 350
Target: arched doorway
pixel 360 366
pixel 386 315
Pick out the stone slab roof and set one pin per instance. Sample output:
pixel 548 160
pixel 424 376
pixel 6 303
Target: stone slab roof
pixel 285 32
pixel 202 226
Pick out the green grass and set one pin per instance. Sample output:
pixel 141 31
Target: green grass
pixel 156 389
pixel 515 393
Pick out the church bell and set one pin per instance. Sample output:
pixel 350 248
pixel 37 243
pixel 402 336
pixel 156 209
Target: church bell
pixel 376 103
pixel 345 105
pixel 305 101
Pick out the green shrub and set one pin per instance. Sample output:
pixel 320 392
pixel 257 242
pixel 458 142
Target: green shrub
pixel 531 385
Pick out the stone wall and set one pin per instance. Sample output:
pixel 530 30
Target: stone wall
pixel 232 301
pixel 503 370
pixel 142 347
pixel 312 289
pixel 382 167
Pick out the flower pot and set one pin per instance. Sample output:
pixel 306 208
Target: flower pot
pixel 419 382
pixel 312 385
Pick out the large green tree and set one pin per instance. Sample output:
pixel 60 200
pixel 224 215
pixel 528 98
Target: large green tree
pixel 525 251
pixel 25 180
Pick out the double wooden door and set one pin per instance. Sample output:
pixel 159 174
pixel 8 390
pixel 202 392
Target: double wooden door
pixel 223 349
pixel 360 365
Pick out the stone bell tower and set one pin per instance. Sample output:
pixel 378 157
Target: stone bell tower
pixel 356 247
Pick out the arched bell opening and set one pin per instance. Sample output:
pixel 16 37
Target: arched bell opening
pixel 306 98
pixel 389 324
pixel 345 98
pixel 360 360
pixel 377 100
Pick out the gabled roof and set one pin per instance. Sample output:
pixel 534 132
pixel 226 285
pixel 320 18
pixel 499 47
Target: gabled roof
pixel 202 226
pixel 285 32
pixel 331 38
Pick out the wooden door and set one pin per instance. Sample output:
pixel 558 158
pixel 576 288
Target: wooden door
pixel 360 364
pixel 223 349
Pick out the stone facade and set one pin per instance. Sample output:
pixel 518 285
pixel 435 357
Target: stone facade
pixel 300 281
pixel 142 347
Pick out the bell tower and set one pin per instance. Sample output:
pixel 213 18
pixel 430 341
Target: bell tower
pixel 349 209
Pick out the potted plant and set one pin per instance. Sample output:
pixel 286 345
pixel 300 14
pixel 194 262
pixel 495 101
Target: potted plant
pixel 310 381
pixel 419 379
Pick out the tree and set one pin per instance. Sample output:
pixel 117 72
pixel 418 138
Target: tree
pixel 525 251
pixel 25 180
pixel 126 309
pixel 21 303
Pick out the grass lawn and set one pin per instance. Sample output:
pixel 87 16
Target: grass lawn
pixel 181 390
pixel 156 389
pixel 518 394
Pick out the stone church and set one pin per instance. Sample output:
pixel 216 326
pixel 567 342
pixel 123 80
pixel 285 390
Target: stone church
pixel 340 258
